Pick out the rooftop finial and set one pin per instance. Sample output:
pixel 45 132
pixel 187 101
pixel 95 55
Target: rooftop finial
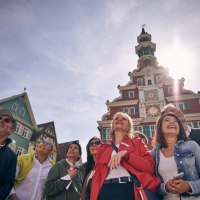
pixel 143 31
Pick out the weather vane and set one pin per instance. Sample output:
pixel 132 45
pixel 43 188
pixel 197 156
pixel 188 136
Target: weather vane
pixel 143 25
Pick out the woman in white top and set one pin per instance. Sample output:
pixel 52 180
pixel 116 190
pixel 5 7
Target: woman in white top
pixel 174 154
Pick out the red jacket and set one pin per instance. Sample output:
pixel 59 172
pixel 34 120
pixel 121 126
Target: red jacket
pixel 138 161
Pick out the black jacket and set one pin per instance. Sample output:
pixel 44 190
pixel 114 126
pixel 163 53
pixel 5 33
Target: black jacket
pixel 195 135
pixel 8 161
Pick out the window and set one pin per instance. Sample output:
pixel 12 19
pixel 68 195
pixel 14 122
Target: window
pixel 170 90
pixel 17 130
pixel 138 128
pixel 195 125
pixel 129 94
pixel 147 62
pixel 183 105
pixel 22 112
pixel 14 107
pixel 152 130
pixel 134 110
pixel 149 82
pixel 146 130
pixel 158 79
pixel 25 132
pixel 140 81
pixel 149 131
pixel 126 95
pixel 105 134
pixel 20 151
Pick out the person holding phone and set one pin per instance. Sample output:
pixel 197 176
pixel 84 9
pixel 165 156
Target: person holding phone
pixel 177 160
pixel 64 181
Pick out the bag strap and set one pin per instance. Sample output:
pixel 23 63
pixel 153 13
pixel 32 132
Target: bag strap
pixel 114 147
pixel 134 177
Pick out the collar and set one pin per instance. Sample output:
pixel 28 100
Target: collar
pixel 7 142
pixel 188 131
pixel 158 146
pixel 70 163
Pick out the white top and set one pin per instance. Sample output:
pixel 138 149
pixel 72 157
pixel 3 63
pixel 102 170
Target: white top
pixel 67 177
pixel 32 188
pixel 167 169
pixel 117 172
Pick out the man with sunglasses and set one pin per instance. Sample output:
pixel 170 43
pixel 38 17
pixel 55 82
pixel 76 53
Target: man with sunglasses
pixel 7 156
pixel 32 171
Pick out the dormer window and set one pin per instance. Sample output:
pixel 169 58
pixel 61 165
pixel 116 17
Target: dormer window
pixel 129 94
pixel 140 81
pixel 22 112
pixel 14 106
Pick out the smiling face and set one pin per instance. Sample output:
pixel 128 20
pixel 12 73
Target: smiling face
pixel 73 152
pixel 6 122
pixel 94 146
pixel 170 126
pixel 120 123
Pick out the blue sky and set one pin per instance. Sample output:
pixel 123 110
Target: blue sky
pixel 71 55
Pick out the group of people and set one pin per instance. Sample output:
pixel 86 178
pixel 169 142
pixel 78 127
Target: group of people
pixel 171 170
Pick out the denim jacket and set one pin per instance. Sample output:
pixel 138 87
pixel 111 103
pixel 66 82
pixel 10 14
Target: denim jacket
pixel 187 158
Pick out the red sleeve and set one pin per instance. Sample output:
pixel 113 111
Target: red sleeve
pixel 141 158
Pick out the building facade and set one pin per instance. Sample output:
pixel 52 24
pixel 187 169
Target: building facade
pixel 21 109
pixel 149 89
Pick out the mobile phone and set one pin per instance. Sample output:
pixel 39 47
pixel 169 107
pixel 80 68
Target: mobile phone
pixel 179 176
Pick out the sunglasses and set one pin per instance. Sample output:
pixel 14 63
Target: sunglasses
pixel 94 143
pixel 46 144
pixel 6 120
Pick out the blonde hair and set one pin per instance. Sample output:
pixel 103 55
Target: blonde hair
pixel 130 123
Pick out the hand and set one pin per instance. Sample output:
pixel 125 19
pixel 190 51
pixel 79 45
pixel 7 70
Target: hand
pixel 72 173
pixel 177 186
pixel 116 159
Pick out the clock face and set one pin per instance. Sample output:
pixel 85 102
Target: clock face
pixel 153 110
pixel 151 95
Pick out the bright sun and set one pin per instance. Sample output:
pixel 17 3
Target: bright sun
pixel 178 59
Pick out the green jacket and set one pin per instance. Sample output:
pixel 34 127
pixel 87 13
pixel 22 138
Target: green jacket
pixel 55 188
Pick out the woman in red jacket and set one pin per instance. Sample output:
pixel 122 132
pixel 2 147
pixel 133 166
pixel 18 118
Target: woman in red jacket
pixel 112 180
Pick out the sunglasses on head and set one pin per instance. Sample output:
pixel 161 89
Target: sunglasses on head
pixel 46 144
pixel 6 120
pixel 94 143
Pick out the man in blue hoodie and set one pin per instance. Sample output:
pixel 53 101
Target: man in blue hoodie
pixel 8 158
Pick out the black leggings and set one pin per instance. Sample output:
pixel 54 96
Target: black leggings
pixel 117 191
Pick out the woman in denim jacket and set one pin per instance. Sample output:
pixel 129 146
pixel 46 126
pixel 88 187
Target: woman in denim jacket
pixel 173 154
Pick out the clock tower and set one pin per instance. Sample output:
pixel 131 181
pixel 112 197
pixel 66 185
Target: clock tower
pixel 149 89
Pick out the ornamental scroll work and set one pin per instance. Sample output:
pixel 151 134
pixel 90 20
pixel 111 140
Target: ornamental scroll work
pixel 151 95
pixel 153 110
